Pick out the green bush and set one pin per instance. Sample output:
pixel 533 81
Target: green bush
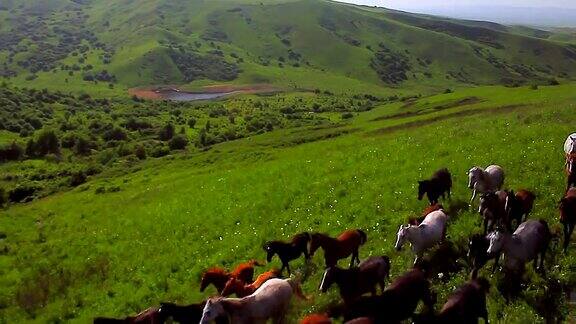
pixel 178 142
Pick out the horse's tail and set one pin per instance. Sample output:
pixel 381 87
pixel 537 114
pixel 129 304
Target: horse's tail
pixel 547 231
pixel 297 288
pixel 363 236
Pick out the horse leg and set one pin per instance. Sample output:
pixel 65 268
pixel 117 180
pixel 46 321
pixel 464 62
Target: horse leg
pixel 288 267
pixel 354 256
pixel 382 284
pixel 473 196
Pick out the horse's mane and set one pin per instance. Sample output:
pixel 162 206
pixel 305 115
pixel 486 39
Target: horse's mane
pixel 244 266
pixel 216 271
pixel 264 277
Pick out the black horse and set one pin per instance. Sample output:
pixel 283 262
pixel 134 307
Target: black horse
pixel 189 314
pixel 288 251
pixel 436 187
pixel 477 252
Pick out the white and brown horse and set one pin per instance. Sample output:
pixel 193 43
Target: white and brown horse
pixel 270 301
pixel 570 164
pixel 485 180
pixel 430 232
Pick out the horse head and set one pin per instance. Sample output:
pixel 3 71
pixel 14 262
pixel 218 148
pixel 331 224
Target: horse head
pixel 270 250
pixel 212 276
pixel 212 310
pixel 402 236
pixel 496 244
pixel 315 242
pixel 422 188
pixel 476 244
pixel 473 176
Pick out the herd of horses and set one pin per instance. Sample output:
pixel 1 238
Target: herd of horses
pixel 507 232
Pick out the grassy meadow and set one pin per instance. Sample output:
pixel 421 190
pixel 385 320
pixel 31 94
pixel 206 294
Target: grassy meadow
pixel 79 254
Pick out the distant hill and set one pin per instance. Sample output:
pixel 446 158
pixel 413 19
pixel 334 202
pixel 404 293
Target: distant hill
pixel 93 45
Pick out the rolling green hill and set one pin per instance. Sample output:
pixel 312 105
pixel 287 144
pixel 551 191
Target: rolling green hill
pixel 63 44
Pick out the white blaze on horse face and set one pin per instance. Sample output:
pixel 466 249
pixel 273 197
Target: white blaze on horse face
pixel 400 237
pixel 472 177
pixel 495 242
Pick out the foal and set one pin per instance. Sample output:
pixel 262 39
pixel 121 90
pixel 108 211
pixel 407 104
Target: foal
pixel 235 286
pixel 355 282
pixel 568 215
pixel 435 187
pixel 288 251
pixel 338 248
pixel 519 205
pixel 219 277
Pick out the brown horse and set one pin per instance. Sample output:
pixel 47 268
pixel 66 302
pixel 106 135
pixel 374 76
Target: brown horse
pixel 435 187
pixel 219 277
pixel 568 215
pixel 355 282
pixel 316 319
pixel 493 210
pixel 519 205
pixel 465 305
pixel 338 248
pixel 415 221
pixel 288 251
pixel 397 303
pixel 238 287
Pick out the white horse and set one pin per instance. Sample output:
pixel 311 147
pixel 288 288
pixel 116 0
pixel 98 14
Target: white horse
pixel 529 240
pixel 271 300
pixel 488 180
pixel 570 150
pixel 424 236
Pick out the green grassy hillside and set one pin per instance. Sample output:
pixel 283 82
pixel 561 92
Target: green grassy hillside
pixel 67 45
pixel 93 251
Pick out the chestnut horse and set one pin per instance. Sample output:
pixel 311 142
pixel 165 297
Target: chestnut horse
pixel 355 282
pixel 568 215
pixel 238 287
pixel 338 248
pixel 288 251
pixel 219 277
pixel 435 187
pixel 316 319
pixel 271 300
